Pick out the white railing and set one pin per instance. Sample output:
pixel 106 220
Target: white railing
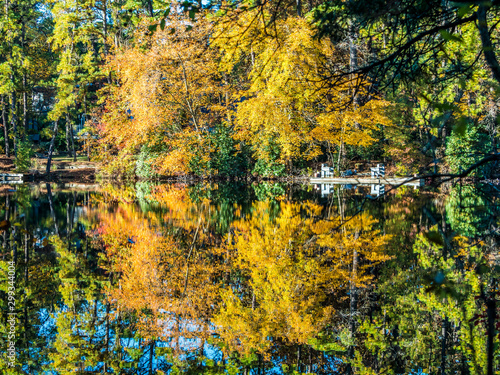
pixel 326 171
pixel 378 171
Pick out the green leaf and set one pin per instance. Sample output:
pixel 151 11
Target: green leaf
pixel 435 238
pixel 162 24
pixel 443 107
pixel 326 344
pixel 449 36
pixel 464 10
pixel 460 127
pixel 166 13
pixel 153 28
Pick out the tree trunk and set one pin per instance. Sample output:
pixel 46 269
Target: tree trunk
pixel 341 158
pixel 25 98
pixel 68 149
pixel 13 119
pixel 150 8
pixel 25 111
pixel 299 355
pixel 51 207
pixel 484 32
pixel 69 130
pixel 105 26
pixel 51 147
pixel 5 127
pixel 353 63
pixel 353 306
pixel 151 357
pixel 490 345
pixel 6 231
pixel 444 334
pixel 298 3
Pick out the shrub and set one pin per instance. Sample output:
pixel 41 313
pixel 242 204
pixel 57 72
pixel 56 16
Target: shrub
pixel 271 165
pixel 143 165
pixel 217 154
pixel 464 150
pixel 23 157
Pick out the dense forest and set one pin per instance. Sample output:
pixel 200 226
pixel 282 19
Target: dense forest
pixel 209 245
pixel 273 88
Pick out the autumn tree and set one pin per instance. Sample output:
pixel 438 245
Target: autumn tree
pixel 25 63
pixel 286 103
pixel 168 98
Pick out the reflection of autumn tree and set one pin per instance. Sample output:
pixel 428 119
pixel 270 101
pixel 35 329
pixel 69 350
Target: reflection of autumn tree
pixel 468 210
pixel 35 286
pixel 216 205
pixel 89 334
pixel 169 278
pixel 181 210
pixel 82 336
pixel 296 266
pixel 279 277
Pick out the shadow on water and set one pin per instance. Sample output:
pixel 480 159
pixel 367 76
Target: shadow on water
pixel 251 279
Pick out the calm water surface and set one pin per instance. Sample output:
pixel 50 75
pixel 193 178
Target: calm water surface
pixel 251 279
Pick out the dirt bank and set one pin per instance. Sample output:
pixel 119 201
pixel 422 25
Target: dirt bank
pixel 62 169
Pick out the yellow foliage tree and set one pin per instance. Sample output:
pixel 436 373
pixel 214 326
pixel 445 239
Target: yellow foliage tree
pixel 287 99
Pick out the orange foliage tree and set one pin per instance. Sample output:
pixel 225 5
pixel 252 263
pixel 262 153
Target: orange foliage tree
pixel 169 93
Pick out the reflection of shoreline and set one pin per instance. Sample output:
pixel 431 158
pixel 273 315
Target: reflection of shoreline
pixel 376 190
pixel 55 187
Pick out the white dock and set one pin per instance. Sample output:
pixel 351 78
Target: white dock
pixel 11 178
pixel 411 181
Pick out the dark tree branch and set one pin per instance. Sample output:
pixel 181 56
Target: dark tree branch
pixel 367 68
pixel 488 51
pixel 450 176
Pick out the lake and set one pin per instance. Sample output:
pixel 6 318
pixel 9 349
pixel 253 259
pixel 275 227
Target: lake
pixel 266 278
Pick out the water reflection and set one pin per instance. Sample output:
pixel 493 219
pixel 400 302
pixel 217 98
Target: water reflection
pixel 266 278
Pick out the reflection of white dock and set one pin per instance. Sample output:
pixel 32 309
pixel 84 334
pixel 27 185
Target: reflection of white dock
pixel 10 178
pixel 327 185
pixel 325 181
pixel 411 181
